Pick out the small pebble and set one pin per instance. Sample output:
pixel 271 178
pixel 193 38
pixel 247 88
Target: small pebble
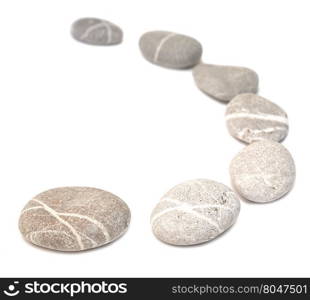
pixel 170 50
pixel 252 118
pixel 195 212
pixel 74 218
pixel 225 82
pixel 263 171
pixel 98 32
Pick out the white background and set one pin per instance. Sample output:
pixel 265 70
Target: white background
pixel 73 114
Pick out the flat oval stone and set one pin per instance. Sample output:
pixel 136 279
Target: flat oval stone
pixel 263 171
pixel 74 218
pixel 195 212
pixel 225 82
pixel 170 50
pixel 252 118
pixel 98 32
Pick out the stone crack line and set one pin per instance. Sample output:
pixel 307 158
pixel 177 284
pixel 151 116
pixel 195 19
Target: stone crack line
pixel 160 45
pixel 264 117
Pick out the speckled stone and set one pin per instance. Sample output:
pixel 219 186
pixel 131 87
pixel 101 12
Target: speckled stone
pixel 170 50
pixel 252 118
pixel 225 82
pixel 195 212
pixel 98 32
pixel 74 218
pixel 263 171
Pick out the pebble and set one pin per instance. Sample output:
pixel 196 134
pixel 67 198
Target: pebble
pixel 195 212
pixel 225 82
pixel 74 218
pixel 98 32
pixel 263 171
pixel 170 50
pixel 252 118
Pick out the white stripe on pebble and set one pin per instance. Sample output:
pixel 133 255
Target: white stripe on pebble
pixel 33 234
pixel 31 208
pixel 256 132
pixel 160 45
pixel 96 26
pixel 98 224
pixel 93 242
pixel 186 210
pixel 200 206
pixel 265 130
pixel 94 221
pixel 54 214
pixel 265 117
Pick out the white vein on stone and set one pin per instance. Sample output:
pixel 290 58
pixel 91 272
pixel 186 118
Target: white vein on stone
pixel 32 234
pixel 93 242
pixel 97 26
pixel 186 210
pixel 264 130
pixel 199 206
pixel 91 220
pixel 184 207
pixel 260 176
pixel 244 131
pixel 197 181
pixel 94 221
pixel 160 45
pixel 67 224
pixel 264 117
pixel 200 216
pixel 31 208
pixel 228 193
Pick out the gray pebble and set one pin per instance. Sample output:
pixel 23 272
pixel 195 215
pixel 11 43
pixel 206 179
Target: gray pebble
pixel 74 218
pixel 263 171
pixel 225 82
pixel 252 118
pixel 170 50
pixel 94 31
pixel 195 212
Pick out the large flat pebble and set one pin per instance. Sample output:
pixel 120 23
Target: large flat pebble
pixel 74 218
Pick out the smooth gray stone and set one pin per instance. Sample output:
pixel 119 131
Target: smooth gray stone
pixel 195 212
pixel 225 82
pixel 263 171
pixel 170 50
pixel 251 118
pixel 98 32
pixel 74 218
